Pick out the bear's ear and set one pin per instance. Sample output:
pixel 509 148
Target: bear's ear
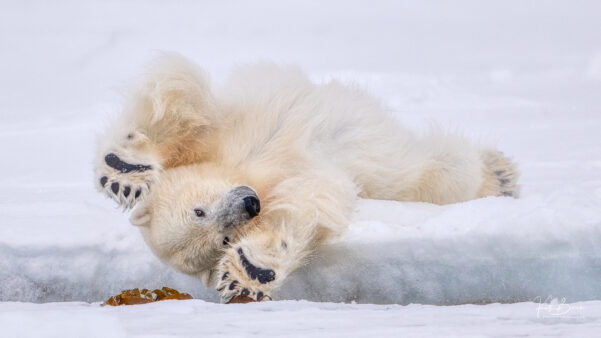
pixel 141 216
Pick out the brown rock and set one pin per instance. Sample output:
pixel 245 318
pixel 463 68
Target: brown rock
pixel 135 296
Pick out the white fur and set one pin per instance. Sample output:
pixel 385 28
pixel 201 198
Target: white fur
pixel 308 150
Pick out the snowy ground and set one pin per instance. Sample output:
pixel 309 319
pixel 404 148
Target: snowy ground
pixel 522 76
pixel 195 318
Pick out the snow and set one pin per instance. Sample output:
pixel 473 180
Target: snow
pixel 524 77
pixel 196 318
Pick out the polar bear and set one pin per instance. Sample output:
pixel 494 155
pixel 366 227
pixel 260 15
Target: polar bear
pixel 239 185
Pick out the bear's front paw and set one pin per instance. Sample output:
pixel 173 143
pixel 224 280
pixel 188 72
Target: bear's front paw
pixel 240 281
pixel 126 183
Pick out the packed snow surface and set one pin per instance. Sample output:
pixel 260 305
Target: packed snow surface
pixel 196 318
pixel 524 77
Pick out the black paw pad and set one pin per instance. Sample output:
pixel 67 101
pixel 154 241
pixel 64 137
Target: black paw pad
pixel 103 181
pixel 233 285
pixel 116 163
pixel 115 187
pixel 262 275
pixel 126 190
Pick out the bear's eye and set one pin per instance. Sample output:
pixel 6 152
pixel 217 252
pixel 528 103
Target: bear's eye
pixel 199 212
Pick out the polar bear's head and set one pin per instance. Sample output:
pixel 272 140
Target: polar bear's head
pixel 191 215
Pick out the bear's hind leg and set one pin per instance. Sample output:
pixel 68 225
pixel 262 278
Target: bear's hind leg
pixel 454 170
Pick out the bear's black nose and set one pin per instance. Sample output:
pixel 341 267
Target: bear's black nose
pixel 252 205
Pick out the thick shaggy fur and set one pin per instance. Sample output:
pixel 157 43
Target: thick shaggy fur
pixel 308 151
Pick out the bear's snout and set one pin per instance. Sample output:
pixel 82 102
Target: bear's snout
pixel 252 205
pixel 239 206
